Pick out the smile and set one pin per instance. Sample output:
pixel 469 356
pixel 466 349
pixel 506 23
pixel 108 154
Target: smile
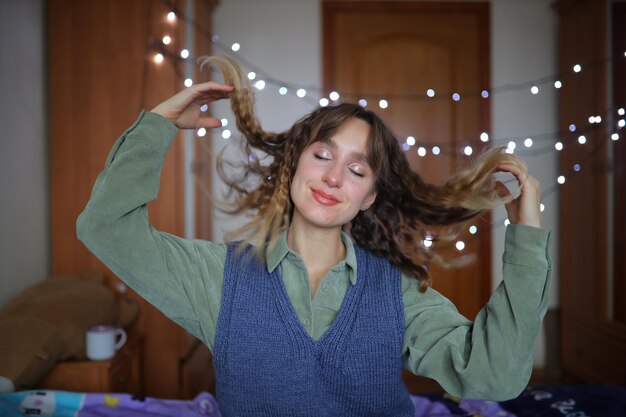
pixel 323 198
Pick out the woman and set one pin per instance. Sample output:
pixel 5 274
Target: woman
pixel 304 321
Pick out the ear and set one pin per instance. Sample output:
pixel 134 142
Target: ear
pixel 369 200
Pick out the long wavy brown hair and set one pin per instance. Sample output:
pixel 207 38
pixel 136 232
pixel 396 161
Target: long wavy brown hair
pixel 406 209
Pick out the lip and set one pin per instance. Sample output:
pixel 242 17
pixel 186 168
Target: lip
pixel 324 198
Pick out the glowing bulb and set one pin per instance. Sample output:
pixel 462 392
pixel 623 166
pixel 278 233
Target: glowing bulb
pixel 235 47
pixel 405 146
pixel 224 122
pixel 324 102
pixel 484 94
pixel 598 119
pixel 620 123
pixel 282 91
pixel 301 92
pixel 558 146
pixel 251 75
pixel 460 245
pixel 577 167
pixel 421 151
pixel 572 127
pixel 184 54
pixel 511 145
pixel 558 84
pixel 484 137
pixel 226 134
pixel 509 150
pixel 410 140
pixel 171 16
pixel 334 96
pixel 188 82
pixel 542 207
pixel 473 229
pixel 260 84
pixel 383 104
pixel 456 96
pixel 166 40
pixel 614 136
pixel 528 142
pixel 582 139
pixel 204 108
pixel 427 243
pixel 158 58
pixel 201 132
pixel 577 68
pixel 561 179
pixel 620 111
pixel 534 89
pixel 468 150
pixel 507 222
pixel 362 102
pixel 436 150
pixel 592 119
pixel 430 92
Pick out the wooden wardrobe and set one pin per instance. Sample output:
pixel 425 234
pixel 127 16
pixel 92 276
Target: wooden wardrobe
pixel 592 202
pixel 102 72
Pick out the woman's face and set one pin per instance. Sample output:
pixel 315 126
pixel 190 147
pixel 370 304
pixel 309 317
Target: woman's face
pixel 333 180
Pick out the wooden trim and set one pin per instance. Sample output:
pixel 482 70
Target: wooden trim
pixel 380 6
pixel 565 6
pixel 619 153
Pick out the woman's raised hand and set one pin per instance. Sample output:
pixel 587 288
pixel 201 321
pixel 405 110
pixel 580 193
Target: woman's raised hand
pixel 183 108
pixel 525 208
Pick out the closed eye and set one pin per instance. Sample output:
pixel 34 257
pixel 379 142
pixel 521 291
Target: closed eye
pixel 321 156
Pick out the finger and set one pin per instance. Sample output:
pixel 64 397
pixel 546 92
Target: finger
pixel 213 86
pixel 210 96
pixel 520 173
pixel 502 190
pixel 209 122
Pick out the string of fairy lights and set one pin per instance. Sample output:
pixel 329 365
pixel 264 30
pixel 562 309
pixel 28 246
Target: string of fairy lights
pixel 612 120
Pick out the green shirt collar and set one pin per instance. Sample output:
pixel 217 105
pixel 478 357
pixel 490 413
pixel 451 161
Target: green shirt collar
pixel 275 256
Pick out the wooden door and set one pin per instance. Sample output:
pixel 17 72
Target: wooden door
pixel 397 51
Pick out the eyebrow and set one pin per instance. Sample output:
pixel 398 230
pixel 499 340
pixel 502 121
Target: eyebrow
pixel 356 155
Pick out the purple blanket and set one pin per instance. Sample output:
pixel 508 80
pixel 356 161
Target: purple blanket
pixel 554 401
pixel 70 404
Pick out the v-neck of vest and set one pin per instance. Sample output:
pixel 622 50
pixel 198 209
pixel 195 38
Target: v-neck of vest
pixel 345 314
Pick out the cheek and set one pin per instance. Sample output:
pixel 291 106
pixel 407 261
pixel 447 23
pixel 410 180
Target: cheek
pixel 362 191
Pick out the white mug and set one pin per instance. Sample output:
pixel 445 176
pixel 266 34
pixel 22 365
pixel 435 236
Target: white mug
pixel 104 341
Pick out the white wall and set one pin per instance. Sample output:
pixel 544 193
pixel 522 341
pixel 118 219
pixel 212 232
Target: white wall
pixel 283 37
pixel 24 219
pixel 524 48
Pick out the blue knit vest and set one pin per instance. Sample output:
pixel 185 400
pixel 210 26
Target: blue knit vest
pixel 268 365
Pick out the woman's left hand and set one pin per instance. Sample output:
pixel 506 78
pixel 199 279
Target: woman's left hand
pixel 525 208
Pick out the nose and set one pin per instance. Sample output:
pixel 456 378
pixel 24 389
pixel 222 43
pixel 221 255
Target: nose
pixel 333 177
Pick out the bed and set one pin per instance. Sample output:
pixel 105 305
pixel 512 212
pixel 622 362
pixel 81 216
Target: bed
pixel 539 401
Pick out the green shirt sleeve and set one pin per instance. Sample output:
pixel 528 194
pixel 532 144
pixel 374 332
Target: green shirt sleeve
pixel 182 278
pixel 490 358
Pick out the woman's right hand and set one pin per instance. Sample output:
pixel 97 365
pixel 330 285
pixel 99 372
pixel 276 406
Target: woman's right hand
pixel 183 108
